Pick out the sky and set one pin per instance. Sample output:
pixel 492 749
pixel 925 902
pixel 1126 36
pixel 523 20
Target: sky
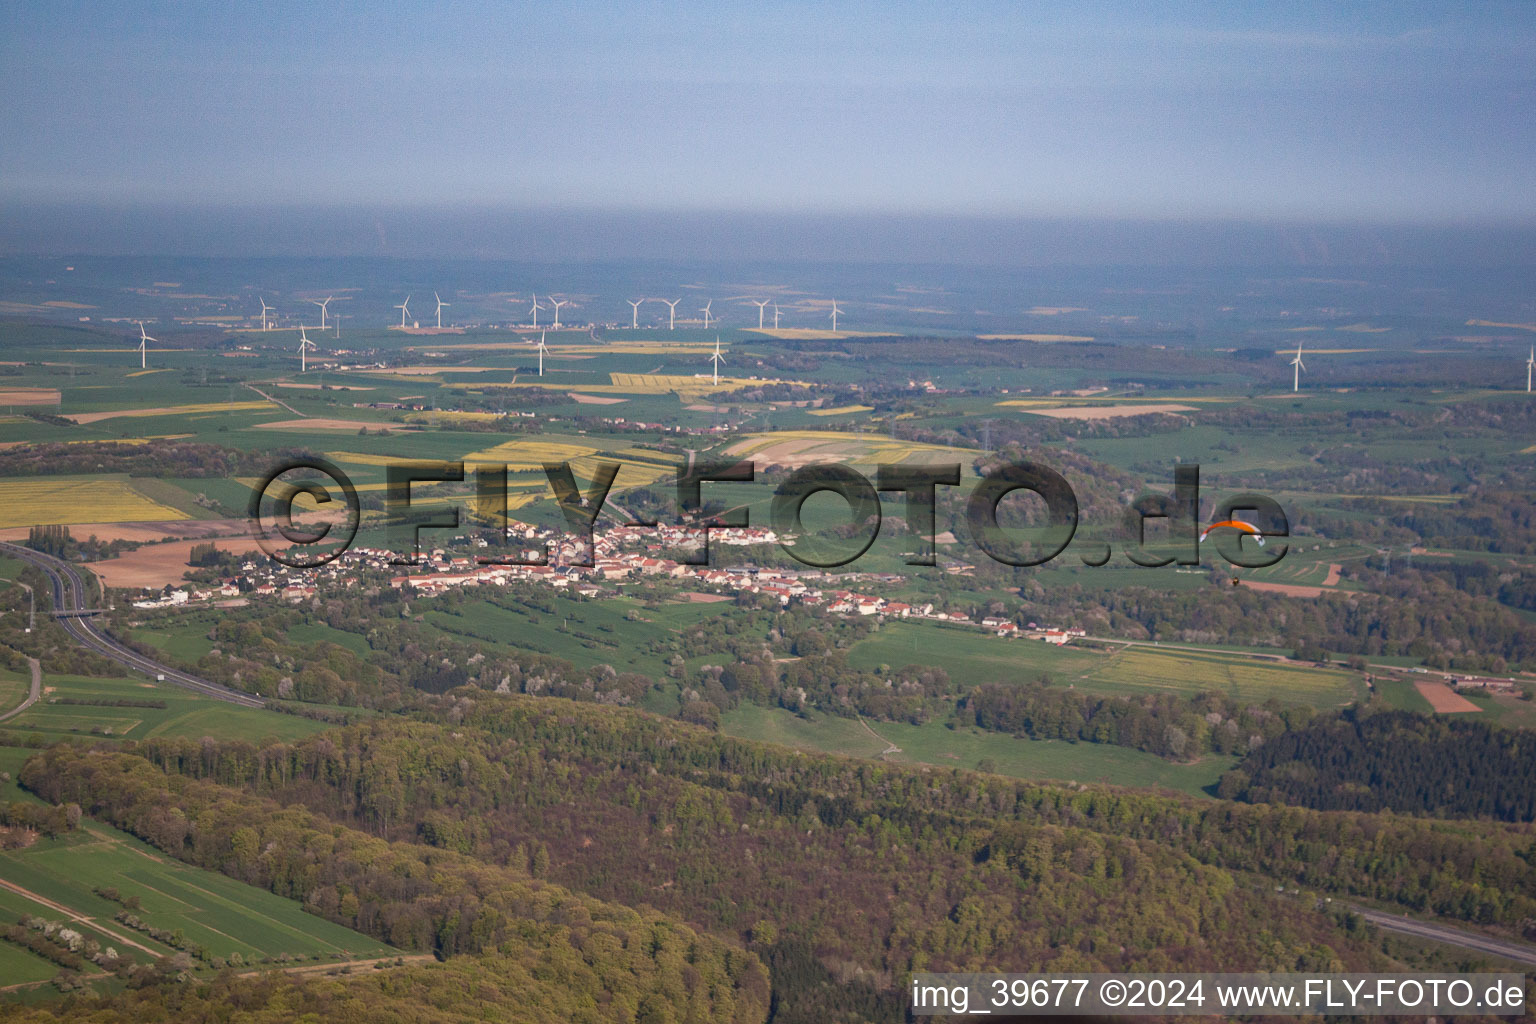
pixel 1386 114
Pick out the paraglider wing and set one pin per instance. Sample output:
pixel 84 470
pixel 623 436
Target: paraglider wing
pixel 1234 524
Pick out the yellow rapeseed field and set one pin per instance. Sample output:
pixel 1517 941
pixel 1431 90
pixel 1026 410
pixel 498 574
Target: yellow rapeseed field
pixel 841 410
pixel 67 500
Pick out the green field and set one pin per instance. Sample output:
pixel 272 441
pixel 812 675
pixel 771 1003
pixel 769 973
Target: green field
pixel 933 743
pixel 972 655
pixel 185 714
pixel 13 688
pixel 1139 669
pixel 183 638
pixel 310 633
pixel 1398 692
pixel 21 966
pixel 969 654
pixel 220 914
pixel 585 633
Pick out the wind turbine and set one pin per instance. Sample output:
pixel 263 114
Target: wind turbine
pixel 761 306
pixel 835 311
pixel 557 303
pixel 717 359
pixel 775 316
pixel 1530 364
pixel 672 316
pixel 304 346
pixel 536 308
pixel 144 339
pixel 634 319
pixel 1299 365
pixel 543 348
pixel 705 311
pixel 440 305
pixel 404 308
pixel 322 306
pixel 264 308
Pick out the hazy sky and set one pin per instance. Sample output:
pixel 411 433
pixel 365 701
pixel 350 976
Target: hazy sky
pixel 1382 112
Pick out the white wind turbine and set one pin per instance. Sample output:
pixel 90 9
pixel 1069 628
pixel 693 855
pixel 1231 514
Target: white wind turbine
pixel 543 348
pixel 440 305
pixel 404 308
pixel 775 316
pixel 835 311
pixel 1530 364
pixel 304 346
pixel 705 311
pixel 634 319
pixel 264 309
pixel 557 303
pixel 672 316
pixel 322 306
pixel 1299 365
pixel 536 308
pixel 145 339
pixel 717 359
pixel 761 306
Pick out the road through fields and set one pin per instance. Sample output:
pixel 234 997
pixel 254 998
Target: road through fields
pixel 69 596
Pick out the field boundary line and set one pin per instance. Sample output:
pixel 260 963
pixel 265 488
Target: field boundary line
pixel 75 915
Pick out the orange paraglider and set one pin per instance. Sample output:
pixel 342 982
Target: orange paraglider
pixel 1234 524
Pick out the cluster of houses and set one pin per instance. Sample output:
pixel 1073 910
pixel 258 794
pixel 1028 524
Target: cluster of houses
pixel 620 556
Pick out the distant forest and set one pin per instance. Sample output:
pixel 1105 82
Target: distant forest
pixel 1397 761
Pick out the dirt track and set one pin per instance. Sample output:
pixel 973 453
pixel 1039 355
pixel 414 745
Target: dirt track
pixel 90 922
pixel 326 968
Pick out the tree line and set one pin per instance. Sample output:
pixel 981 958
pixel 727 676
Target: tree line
pixel 1395 760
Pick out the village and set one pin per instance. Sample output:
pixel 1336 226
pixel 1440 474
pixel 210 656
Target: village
pixel 624 555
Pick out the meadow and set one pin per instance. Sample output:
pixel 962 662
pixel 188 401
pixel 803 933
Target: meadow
pixel 585 633
pixel 221 915
pixel 186 714
pixel 936 744
pixel 1140 669
pixel 971 655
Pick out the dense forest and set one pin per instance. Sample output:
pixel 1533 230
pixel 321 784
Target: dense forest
pixel 1402 613
pixel 492 988
pixel 1477 872
pixel 552 947
pixel 1395 760
pixel 1164 724
pixel 842 876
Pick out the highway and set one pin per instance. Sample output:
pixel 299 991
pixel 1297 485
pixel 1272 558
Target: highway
pixel 1451 936
pixel 69 595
